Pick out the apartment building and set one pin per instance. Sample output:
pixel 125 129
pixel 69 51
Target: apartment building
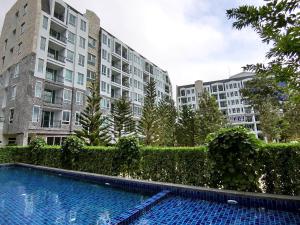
pixel 125 73
pixel 227 93
pixel 49 53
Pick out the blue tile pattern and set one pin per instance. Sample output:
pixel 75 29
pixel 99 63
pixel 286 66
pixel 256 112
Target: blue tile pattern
pixel 35 197
pixel 178 210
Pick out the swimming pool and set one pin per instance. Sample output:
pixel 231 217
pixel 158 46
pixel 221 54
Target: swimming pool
pixel 31 195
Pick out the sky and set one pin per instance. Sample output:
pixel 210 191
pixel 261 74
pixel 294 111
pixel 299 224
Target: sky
pixel 191 39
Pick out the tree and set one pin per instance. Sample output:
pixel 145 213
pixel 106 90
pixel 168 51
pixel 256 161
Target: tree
pixel 166 113
pixel 94 127
pixel 276 22
pixel 122 118
pixel 186 127
pixel 209 117
pixel 149 119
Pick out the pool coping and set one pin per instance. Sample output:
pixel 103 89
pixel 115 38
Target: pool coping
pixel 248 199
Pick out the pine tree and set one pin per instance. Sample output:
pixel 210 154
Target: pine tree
pixel 149 120
pixel 122 118
pixel 186 127
pixel 94 127
pixel 167 120
pixel 209 117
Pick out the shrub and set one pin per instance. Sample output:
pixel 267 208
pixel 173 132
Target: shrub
pixel 127 156
pixel 36 145
pixel 71 148
pixel 233 156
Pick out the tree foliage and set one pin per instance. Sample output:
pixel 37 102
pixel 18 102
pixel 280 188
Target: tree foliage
pixel 277 23
pixel 122 118
pixel 186 127
pixel 166 113
pixel 149 119
pixel 94 129
pixel 209 117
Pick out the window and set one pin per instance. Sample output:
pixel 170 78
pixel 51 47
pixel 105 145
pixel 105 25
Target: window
pixel 45 22
pixel 72 20
pixel 83 25
pixel 80 79
pixel 77 118
pixel 69 76
pixel 43 43
pixel 71 37
pixel 13 92
pixel 11 115
pixel 79 98
pixel 103 86
pixel 104 54
pixel 67 96
pixel 16 71
pixel 92 42
pixel 70 56
pixel 82 42
pixel 104 39
pixel 103 70
pixel 81 60
pixel 22 28
pixel 91 59
pixel 40 65
pixel 35 114
pixel 91 75
pixel 25 9
pixel 38 89
pixel 20 48
pixel 66 117
pixel 108 42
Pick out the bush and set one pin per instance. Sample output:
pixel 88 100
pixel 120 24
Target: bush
pixel 233 156
pixel 71 148
pixel 127 156
pixel 36 146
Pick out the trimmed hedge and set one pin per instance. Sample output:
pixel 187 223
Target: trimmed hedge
pixel 279 164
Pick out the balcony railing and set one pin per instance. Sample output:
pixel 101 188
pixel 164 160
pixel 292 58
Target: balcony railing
pixel 59 16
pixel 58 36
pixel 116 80
pixel 54 78
pixel 51 124
pixel 50 100
pixel 59 58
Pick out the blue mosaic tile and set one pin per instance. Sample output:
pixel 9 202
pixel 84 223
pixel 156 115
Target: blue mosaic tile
pixel 35 197
pixel 178 210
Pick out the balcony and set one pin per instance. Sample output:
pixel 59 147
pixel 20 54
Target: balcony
pixel 50 100
pixel 58 58
pixel 53 77
pixel 58 36
pixel 51 124
pixel 59 12
pixel 115 79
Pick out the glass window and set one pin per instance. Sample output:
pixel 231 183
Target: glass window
pixel 43 43
pixel 69 76
pixel 35 114
pixel 71 37
pixel 72 19
pixel 45 22
pixel 103 86
pixel 103 70
pixel 67 96
pixel 77 118
pixel 91 59
pixel 38 89
pixel 104 54
pixel 80 79
pixel 104 39
pixel 91 75
pixel 92 42
pixel 81 60
pixel 66 117
pixel 70 56
pixel 82 42
pixel 40 65
pixel 11 115
pixel 79 98
pixel 83 25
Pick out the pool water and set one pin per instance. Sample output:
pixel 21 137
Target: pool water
pixel 35 197
pixel 178 210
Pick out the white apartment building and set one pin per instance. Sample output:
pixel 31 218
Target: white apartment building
pixel 227 93
pixel 49 52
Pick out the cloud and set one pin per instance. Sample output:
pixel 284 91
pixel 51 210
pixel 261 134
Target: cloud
pixel 191 39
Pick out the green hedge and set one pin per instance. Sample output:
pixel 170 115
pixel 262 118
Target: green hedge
pixel 279 164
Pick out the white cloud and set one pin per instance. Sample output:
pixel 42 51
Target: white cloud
pixel 189 38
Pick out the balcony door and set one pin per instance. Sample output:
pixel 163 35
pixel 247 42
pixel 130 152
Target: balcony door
pixel 47 119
